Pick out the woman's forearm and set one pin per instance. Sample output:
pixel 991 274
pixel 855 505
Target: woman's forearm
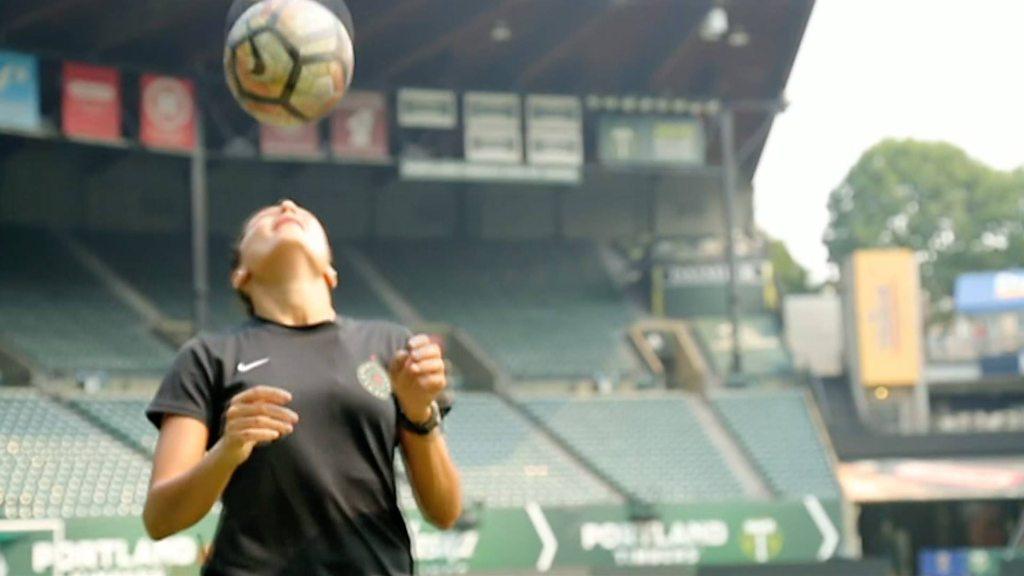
pixel 179 502
pixel 434 478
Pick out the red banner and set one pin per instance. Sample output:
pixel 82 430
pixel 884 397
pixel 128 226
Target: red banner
pixel 359 127
pixel 91 103
pixel 168 112
pixel 302 141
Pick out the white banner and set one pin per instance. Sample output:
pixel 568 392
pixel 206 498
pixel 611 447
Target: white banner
pixel 420 108
pixel 493 130
pixel 554 130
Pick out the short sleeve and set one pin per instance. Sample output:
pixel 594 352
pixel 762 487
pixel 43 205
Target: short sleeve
pixel 187 389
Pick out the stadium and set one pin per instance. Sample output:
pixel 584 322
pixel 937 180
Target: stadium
pixel 560 194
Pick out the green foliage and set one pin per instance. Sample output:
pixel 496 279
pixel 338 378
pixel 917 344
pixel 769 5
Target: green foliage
pixel 790 276
pixel 956 213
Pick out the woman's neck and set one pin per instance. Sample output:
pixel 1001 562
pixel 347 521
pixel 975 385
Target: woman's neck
pixel 297 303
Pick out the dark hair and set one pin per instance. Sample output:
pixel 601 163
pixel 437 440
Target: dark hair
pixel 236 256
pixel 236 261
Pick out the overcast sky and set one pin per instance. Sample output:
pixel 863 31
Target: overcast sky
pixel 948 70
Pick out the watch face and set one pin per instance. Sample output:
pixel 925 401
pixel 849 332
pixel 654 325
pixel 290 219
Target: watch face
pixel 424 427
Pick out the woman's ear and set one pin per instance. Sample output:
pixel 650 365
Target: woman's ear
pixel 239 276
pixel 331 275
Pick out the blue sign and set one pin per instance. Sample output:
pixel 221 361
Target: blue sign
pixel 950 562
pixel 19 91
pixel 990 292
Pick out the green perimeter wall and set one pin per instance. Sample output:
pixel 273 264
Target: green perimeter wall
pixel 511 540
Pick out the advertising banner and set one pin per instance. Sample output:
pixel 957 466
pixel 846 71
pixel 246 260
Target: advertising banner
pixel 554 130
pixel 168 112
pixel 650 140
pixel 302 141
pixel 909 479
pixel 99 547
pixel 886 310
pixel 19 91
pixel 493 127
pixel 990 292
pixel 431 109
pixel 359 127
pixel 531 538
pixel 535 538
pixel 91 102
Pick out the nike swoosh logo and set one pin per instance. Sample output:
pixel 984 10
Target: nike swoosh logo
pixel 243 367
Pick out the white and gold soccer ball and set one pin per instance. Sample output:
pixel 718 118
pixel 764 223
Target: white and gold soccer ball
pixel 288 62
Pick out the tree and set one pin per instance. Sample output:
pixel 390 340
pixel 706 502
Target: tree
pixel 956 213
pixel 790 276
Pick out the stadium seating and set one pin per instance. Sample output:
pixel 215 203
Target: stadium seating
pixel 169 285
pixel 543 309
pixel 505 462
pixel 652 445
pixel 123 415
pixel 55 464
pixel 763 352
pixel 53 311
pixel 777 429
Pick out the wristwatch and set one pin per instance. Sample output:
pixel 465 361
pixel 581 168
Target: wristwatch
pixel 421 428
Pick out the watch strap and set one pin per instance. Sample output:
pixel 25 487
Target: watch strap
pixel 421 428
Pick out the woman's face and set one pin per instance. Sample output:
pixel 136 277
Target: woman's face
pixel 281 232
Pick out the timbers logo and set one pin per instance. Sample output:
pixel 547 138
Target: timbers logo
pixel 374 378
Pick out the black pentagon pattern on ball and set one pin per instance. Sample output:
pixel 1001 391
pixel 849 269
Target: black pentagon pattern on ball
pixel 284 99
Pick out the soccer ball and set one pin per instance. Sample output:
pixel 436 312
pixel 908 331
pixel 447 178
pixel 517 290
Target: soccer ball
pixel 288 62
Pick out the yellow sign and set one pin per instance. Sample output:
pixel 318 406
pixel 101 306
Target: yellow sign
pixel 886 308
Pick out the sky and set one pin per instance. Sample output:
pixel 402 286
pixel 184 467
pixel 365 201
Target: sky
pixel 949 70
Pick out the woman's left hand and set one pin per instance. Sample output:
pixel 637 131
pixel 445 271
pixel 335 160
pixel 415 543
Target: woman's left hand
pixel 418 377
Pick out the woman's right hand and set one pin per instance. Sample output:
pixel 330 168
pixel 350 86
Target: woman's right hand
pixel 257 415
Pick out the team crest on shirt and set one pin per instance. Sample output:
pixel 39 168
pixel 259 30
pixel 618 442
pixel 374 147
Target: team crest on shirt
pixel 374 378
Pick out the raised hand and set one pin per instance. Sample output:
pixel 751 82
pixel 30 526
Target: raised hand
pixel 257 415
pixel 418 377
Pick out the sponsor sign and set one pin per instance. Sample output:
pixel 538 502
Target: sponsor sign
pixel 19 91
pixel 168 112
pixel 91 102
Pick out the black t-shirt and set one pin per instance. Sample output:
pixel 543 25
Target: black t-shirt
pixel 321 501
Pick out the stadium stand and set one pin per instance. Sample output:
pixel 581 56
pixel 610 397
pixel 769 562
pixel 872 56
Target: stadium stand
pixel 54 312
pixel 506 462
pixel 652 445
pixel 169 285
pixel 123 415
pixel 779 433
pixel 763 351
pixel 544 309
pixel 55 464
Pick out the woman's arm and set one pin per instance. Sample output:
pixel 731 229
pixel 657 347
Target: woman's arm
pixel 434 478
pixel 418 377
pixel 187 480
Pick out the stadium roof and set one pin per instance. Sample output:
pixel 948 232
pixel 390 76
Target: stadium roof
pixel 573 46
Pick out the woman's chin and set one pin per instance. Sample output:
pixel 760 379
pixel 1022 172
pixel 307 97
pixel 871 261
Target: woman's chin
pixel 286 252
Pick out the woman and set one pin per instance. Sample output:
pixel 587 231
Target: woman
pixel 292 420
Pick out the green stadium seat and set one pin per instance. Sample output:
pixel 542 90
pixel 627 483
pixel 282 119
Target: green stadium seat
pixel 651 445
pixel 763 352
pixel 779 433
pixel 169 285
pixel 122 414
pixel 56 313
pixel 543 309
pixel 505 462
pixel 55 464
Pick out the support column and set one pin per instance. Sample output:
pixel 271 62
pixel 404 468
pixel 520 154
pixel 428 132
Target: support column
pixel 200 233
pixel 729 169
